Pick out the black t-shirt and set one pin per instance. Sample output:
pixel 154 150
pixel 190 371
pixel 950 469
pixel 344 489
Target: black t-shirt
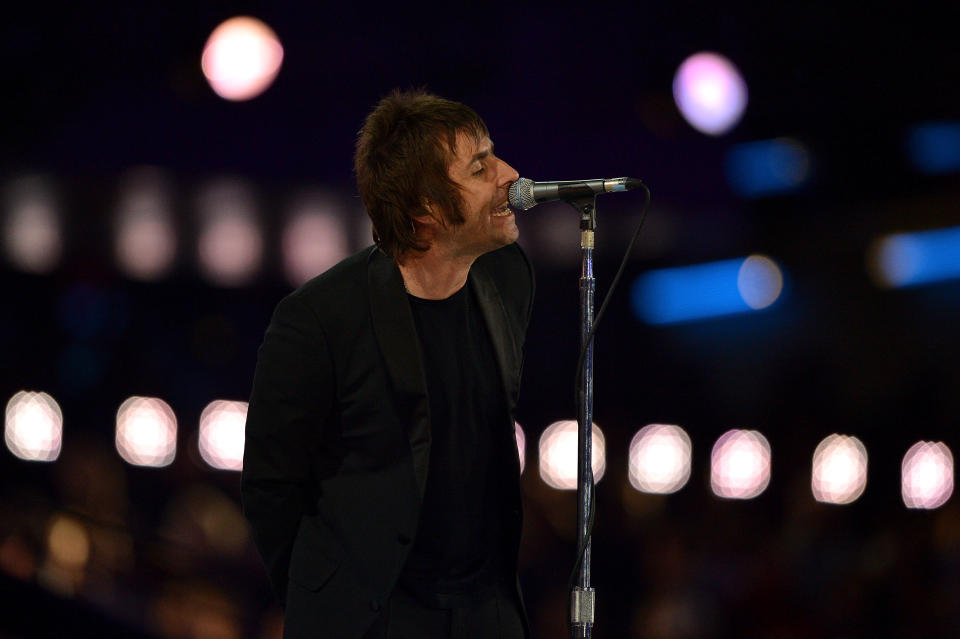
pixel 456 559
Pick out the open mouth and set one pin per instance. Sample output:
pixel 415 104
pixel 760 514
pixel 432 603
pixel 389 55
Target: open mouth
pixel 503 210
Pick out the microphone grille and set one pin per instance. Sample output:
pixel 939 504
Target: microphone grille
pixel 521 194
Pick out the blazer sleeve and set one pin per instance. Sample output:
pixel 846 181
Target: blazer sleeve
pixel 289 404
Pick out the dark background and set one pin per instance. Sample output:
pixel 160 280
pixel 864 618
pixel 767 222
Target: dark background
pixel 90 92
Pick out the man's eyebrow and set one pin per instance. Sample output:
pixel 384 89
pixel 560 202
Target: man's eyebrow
pixel 482 154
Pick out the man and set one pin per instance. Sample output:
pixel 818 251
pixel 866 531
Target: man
pixel 380 469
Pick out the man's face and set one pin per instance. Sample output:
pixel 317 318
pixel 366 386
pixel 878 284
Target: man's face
pixel 484 181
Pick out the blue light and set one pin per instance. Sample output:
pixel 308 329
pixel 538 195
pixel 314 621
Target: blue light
pixel 908 259
pixel 934 147
pixel 767 167
pixel 671 295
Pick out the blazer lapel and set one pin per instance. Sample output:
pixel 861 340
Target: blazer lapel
pixel 397 337
pixel 498 325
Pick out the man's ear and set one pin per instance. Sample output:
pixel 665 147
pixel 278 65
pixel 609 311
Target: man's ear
pixel 432 217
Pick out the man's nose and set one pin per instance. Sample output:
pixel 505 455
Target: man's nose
pixel 508 174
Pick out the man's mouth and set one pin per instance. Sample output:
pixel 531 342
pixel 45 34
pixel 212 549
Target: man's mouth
pixel 503 210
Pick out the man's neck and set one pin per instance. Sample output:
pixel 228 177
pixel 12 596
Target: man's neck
pixel 434 276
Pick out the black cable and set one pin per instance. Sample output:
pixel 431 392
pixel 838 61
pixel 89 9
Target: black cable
pixel 579 377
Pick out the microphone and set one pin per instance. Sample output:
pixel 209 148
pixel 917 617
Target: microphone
pixel 526 194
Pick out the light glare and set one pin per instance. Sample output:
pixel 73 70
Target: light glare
pixel 314 240
pixel 241 58
pixel 558 455
pixel 230 245
pixel 759 281
pixel 222 434
pixel 710 93
pixel 740 464
pixel 839 473
pixel 145 238
pixel 32 231
pixel 33 426
pixel 659 459
pixel 146 433
pixel 927 475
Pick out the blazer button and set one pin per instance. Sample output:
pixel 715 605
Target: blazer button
pixel 403 539
pixel 374 605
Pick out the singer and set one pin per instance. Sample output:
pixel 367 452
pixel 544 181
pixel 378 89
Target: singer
pixel 380 471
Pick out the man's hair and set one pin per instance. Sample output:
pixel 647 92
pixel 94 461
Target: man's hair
pixel 403 152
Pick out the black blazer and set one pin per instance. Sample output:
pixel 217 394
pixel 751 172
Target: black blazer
pixel 338 434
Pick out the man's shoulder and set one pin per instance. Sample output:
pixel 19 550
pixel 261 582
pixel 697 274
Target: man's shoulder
pixel 348 273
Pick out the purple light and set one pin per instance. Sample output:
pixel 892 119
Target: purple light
pixel 710 93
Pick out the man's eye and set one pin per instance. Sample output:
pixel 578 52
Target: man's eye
pixel 479 171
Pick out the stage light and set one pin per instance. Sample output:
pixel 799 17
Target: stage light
pixel 314 239
pixel 839 473
pixel 710 93
pixel 68 542
pixel 740 465
pixel 700 291
pixel 759 281
pixel 910 259
pixel 32 230
pixel 241 58
pixel 33 426
pixel 230 245
pixel 146 433
pixel 927 475
pixel 521 444
pixel 222 435
pixel 145 240
pixel 934 147
pixel 558 455
pixel 659 459
pixel 767 167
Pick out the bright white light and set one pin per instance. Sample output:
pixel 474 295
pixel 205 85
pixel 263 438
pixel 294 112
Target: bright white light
pixel 740 464
pixel 759 281
pixel 146 242
pixel 710 93
pixel 33 426
pixel 230 245
pixel 222 436
pixel 241 58
pixel 558 455
pixel 314 239
pixel 839 470
pixel 146 432
pixel 659 459
pixel 32 233
pixel 927 475
pixel 521 444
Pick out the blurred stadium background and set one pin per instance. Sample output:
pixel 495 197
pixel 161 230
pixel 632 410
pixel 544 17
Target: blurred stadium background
pixel 785 335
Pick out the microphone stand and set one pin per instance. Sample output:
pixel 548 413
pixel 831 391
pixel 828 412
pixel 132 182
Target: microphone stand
pixel 582 595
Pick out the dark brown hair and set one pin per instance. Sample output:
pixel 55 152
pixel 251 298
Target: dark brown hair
pixel 403 151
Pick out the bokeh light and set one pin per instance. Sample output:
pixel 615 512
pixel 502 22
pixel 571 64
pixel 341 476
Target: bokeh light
pixel 659 459
pixel 146 432
pixel 33 426
pixel 759 281
pixel 241 58
pixel 314 239
pixel 222 435
pixel 521 438
pixel 839 474
pixel 32 230
pixel 710 93
pixel 230 244
pixel 767 167
pixel 740 464
pixel 927 475
pixel 558 455
pixel 909 259
pixel 708 290
pixel 68 541
pixel 934 147
pixel 145 239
